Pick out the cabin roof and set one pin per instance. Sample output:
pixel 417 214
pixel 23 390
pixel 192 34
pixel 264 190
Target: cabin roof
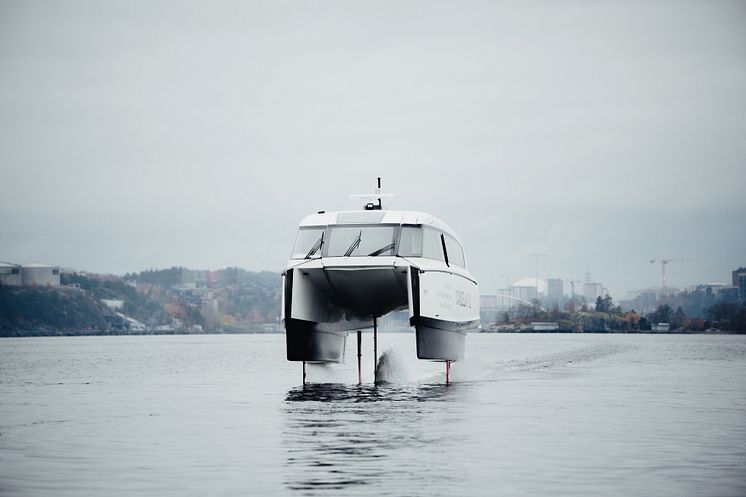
pixel 375 217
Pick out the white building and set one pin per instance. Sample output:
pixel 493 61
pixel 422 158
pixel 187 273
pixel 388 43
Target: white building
pixel 555 289
pixel 591 291
pixel 40 275
pixel 10 274
pixel 29 275
pixel 113 303
pixel 529 288
pixel 488 301
pixel 522 291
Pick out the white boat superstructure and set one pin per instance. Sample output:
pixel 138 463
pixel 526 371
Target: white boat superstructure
pixel 349 268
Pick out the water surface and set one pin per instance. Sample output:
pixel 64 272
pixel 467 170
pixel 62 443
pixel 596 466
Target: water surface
pixel 227 415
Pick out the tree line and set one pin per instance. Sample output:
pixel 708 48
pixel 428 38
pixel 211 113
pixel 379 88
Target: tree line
pixel 607 316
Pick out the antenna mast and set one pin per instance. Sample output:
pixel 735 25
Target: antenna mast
pixel 377 195
pixel 536 267
pixel 378 192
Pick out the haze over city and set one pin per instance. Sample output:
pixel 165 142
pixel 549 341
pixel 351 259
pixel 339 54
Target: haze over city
pixel 135 136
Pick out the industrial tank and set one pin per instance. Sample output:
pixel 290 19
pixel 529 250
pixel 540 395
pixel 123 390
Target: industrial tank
pixel 40 275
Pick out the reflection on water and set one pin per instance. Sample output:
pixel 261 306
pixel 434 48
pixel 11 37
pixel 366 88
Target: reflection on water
pixel 337 392
pixel 337 436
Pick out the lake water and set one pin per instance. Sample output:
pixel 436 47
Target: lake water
pixel 575 415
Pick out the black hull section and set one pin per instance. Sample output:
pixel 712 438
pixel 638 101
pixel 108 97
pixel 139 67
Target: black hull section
pixel 306 343
pixel 439 340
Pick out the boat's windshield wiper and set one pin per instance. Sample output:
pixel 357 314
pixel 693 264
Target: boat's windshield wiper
pixel 316 246
pixel 382 249
pixel 355 244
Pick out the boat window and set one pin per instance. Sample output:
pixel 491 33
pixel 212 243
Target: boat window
pixel 356 241
pixel 364 217
pixel 432 247
pixel 455 252
pixel 410 241
pixel 307 240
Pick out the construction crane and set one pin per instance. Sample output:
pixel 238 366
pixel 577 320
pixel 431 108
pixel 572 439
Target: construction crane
pixel 572 286
pixel 663 263
pixel 536 273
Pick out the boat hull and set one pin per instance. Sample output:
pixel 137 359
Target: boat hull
pixel 439 340
pixel 305 342
pixel 324 300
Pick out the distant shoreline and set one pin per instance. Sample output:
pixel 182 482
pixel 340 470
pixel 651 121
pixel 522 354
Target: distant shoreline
pixel 37 334
pixel 29 334
pixel 603 332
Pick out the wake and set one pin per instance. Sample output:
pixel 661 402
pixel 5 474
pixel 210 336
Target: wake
pixel 397 367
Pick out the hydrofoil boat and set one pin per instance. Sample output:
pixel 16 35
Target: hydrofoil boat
pixel 349 268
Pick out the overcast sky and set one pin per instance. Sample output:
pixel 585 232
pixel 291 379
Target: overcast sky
pixel 139 135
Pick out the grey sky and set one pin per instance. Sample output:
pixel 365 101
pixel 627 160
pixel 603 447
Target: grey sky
pixel 151 134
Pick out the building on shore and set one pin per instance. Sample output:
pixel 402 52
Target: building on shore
pixel 660 327
pixel 488 302
pixel 29 275
pixel 10 274
pixel 739 281
pixel 591 291
pixel 544 326
pixel 488 309
pixel 555 291
pixel 504 299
